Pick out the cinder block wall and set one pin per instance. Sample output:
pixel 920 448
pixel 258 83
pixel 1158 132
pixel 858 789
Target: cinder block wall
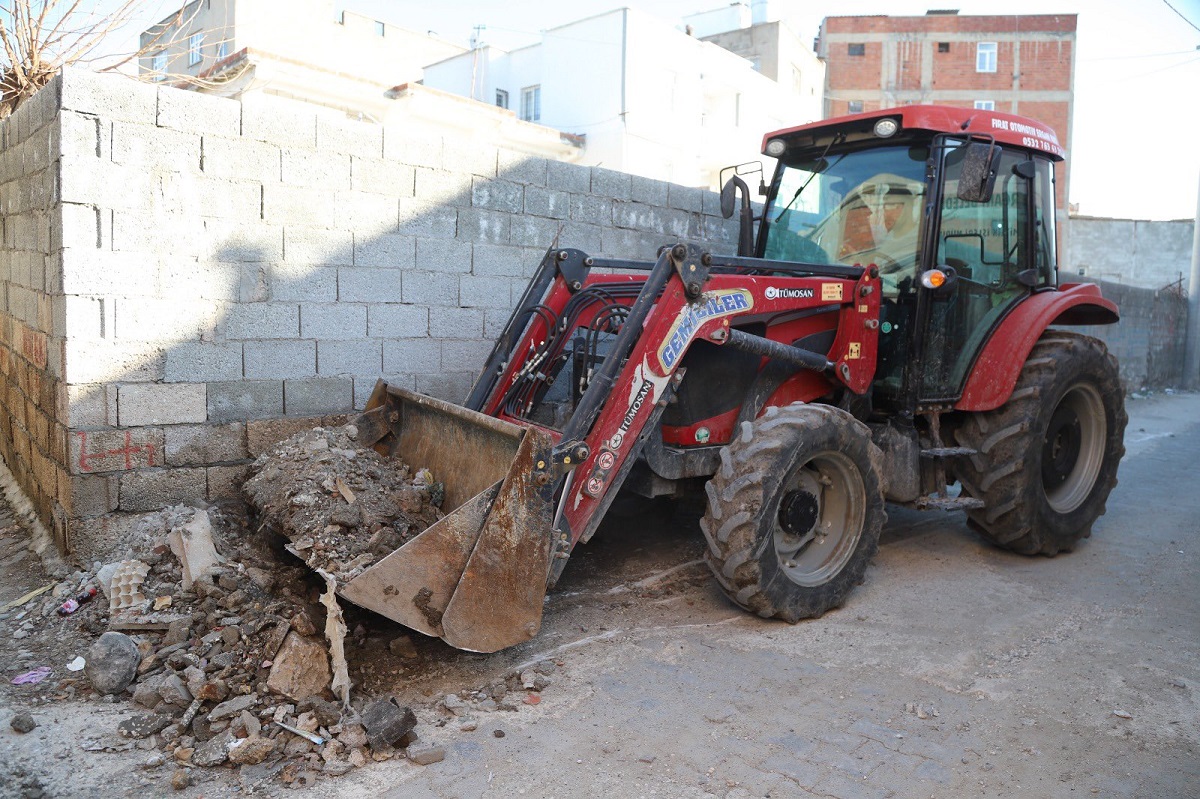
pixel 212 275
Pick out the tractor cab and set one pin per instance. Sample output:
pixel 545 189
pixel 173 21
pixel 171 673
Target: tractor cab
pixel 955 207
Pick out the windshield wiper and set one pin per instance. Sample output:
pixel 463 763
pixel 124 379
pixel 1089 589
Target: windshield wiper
pixel 838 139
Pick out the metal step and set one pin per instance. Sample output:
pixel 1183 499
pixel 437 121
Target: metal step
pixel 947 452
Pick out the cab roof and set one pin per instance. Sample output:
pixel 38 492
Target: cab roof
pixel 1010 129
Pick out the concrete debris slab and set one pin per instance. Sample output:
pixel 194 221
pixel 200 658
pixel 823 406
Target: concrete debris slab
pixel 251 751
pixel 215 751
pixel 300 668
pixel 386 722
pixel 424 753
pixel 143 725
pixel 229 709
pixel 193 545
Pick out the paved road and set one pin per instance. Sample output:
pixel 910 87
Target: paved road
pixel 1017 665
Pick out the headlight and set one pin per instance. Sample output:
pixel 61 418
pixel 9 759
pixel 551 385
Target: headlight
pixel 886 127
pixel 775 147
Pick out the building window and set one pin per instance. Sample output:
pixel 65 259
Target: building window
pixel 985 57
pixel 943 47
pixel 501 98
pixel 195 42
pixel 379 28
pixel 531 103
pixel 797 80
pixel 856 49
pixel 160 66
pixel 854 107
pixel 222 49
pixel 985 105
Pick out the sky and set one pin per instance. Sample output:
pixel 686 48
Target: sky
pixel 1137 76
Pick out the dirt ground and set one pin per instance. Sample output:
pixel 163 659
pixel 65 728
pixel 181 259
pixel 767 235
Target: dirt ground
pixel 955 670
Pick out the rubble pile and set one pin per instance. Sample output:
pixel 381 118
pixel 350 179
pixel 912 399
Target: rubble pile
pixel 341 505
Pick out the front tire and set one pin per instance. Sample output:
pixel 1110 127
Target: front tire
pixel 794 511
pixel 1047 459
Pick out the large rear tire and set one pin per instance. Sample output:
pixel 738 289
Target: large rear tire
pixel 794 511
pixel 1047 459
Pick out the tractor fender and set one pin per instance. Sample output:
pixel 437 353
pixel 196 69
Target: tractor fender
pixel 999 364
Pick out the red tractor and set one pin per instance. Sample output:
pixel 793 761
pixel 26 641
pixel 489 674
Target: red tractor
pixel 884 334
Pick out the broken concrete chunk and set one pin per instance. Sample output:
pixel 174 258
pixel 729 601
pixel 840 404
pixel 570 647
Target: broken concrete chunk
pixel 193 545
pixel 143 725
pixel 112 663
pixel 300 668
pixel 215 751
pixel 386 722
pixel 251 751
pixel 423 754
pixel 23 722
pixel 231 708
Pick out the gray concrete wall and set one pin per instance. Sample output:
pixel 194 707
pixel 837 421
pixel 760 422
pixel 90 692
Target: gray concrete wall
pixel 1132 252
pixel 213 275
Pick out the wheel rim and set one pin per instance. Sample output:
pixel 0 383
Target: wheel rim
pixel 820 519
pixel 1073 449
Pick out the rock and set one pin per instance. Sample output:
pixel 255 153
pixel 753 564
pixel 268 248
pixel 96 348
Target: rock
pixel 303 624
pixel 354 736
pixel 215 751
pixel 468 724
pixel 386 722
pixel 153 761
pixel 1122 714
pixel 527 678
pixel 403 646
pixel 234 706
pixel 180 779
pixel 300 668
pixel 112 663
pixel 145 693
pixel 297 746
pixel 455 705
pixel 327 713
pixel 545 667
pixel 424 754
pixel 23 721
pixel 487 706
pixel 336 768
pixel 261 578
pixel 541 683
pixel 231 634
pixel 215 690
pixel 251 751
pixel 249 722
pixel 358 758
pixel 143 725
pixel 174 691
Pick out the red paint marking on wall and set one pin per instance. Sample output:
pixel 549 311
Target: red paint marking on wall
pixel 127 452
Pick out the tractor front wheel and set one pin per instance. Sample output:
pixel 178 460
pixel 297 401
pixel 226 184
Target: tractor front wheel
pixel 794 511
pixel 1047 459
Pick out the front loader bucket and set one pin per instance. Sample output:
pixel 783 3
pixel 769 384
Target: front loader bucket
pixel 476 578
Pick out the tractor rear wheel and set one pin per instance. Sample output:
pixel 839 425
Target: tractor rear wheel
pixel 794 511
pixel 1047 459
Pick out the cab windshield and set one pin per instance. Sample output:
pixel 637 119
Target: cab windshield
pixel 857 207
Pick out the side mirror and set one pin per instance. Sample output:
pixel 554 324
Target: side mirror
pixel 729 195
pixel 977 180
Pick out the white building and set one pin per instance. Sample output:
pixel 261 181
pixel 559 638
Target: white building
pixel 651 100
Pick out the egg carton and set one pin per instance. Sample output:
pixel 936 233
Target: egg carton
pixel 125 590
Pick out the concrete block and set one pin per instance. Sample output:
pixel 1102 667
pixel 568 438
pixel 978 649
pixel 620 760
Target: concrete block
pixel 456 323
pixel 399 144
pixel 365 284
pixel 109 95
pixel 362 357
pixel 328 171
pixel 466 355
pixel 173 232
pixel 262 320
pixel 335 322
pixel 624 243
pixel 144 404
pixel 155 148
pixel 198 113
pixel 309 245
pixel 686 198
pixel 470 156
pixel 360 139
pixel 90 405
pixel 546 202
pixel 485 292
pixel 611 184
pixel 278 120
pixel 363 386
pixel 397 321
pixel 412 356
pixel 151 489
pixel 93 494
pixel 366 214
pixel 83 317
pixel 243 240
pixel 430 288
pixel 225 482
pixel 115 450
pixel 649 191
pixel 244 399
pixel 182 280
pixel 496 260
pixel 262 435
pixel 202 362
pixel 297 205
pixel 498 195
pixel 319 396
pixel 241 159
pixel 421 218
pixel 494 321
pixel 108 361
pixel 483 226
pixel 450 386
pixel 166 321
pixel 381 176
pixel 280 360
pixel 441 255
pixel 594 210
pixel 288 282
pixel 443 187
pixel 202 445
pixel 91 181
pixel 385 250
pixel 238 200
pixel 537 231
pixel 522 168
pixel 80 136
pixel 653 219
